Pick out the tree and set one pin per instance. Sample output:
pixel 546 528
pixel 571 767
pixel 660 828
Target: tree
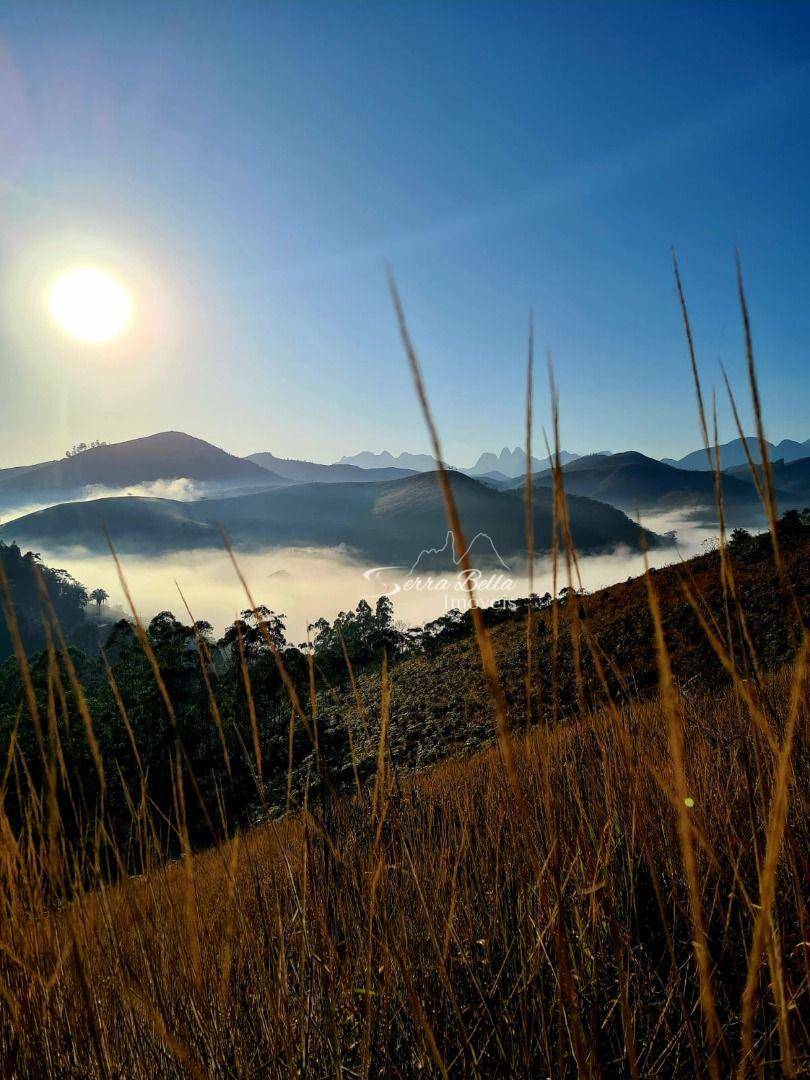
pixel 27 576
pixel 81 448
pixel 739 538
pixel 255 630
pixel 384 611
pixel 99 597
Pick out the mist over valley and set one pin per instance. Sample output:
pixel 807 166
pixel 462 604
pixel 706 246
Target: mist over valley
pixel 315 539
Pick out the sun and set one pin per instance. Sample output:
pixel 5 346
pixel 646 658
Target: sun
pixel 90 304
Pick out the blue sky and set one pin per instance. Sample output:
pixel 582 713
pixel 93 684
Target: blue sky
pixel 246 171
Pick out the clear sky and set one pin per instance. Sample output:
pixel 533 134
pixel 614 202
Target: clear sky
pixel 245 170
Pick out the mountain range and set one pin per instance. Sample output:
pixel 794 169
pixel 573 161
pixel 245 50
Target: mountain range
pixel 732 454
pixel 302 472
pixel 508 463
pixel 385 460
pixel 511 464
pixel 389 522
pixel 631 481
pixel 388 512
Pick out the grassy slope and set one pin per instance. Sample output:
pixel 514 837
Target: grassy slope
pixel 440 704
pixel 433 936
pixel 461 921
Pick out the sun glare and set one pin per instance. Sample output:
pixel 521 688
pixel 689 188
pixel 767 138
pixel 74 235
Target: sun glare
pixel 90 305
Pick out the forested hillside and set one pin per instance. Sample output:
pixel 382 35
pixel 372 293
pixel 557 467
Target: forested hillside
pixel 78 610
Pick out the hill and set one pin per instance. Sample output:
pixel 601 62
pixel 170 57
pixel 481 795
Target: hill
pixel 629 480
pixel 302 472
pixel 440 702
pixel 732 454
pixel 168 455
pixel 135 523
pixel 388 522
pixel 596 527
pixel 498 480
pixel 790 477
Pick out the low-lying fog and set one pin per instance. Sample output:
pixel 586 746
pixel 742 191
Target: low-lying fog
pixel 305 584
pixel 181 490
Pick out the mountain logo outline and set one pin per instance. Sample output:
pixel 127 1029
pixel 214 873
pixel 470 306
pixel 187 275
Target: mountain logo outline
pixel 450 545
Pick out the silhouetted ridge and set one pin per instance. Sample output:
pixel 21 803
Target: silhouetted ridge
pixel 168 455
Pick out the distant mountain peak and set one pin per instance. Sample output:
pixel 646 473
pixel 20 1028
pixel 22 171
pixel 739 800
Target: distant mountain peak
pixel 733 453
pixel 367 459
pixel 509 462
pixel 298 471
pixel 512 463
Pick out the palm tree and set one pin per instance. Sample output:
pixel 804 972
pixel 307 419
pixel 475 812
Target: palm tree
pixel 99 595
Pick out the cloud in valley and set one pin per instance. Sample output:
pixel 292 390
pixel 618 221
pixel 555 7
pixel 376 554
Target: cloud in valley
pixel 180 490
pixel 307 583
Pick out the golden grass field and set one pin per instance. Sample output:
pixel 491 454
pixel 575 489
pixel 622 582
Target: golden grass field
pixel 450 927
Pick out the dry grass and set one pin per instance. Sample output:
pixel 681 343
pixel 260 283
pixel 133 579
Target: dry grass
pixel 623 894
pixel 422 936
